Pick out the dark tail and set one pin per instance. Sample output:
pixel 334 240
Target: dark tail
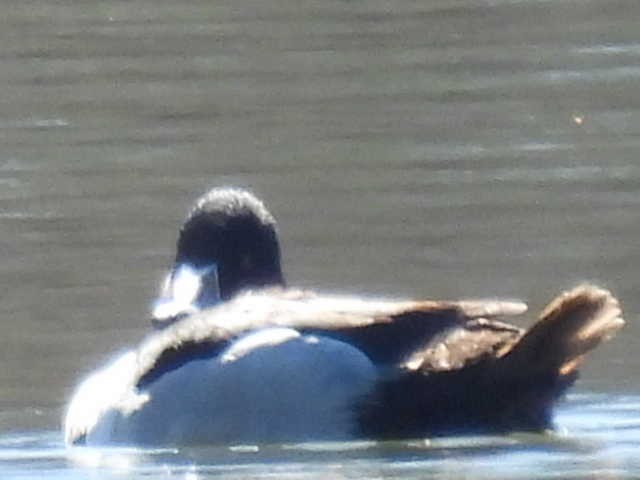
pixel 540 367
pixel 514 388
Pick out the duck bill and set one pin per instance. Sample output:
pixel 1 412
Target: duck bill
pixel 186 289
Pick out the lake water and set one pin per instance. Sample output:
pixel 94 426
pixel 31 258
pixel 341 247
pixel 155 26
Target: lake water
pixel 438 149
pixel 598 439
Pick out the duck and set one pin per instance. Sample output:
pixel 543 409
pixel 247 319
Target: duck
pixel 237 356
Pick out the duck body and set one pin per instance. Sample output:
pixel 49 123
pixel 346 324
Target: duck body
pixel 272 384
pixel 237 357
pixel 281 365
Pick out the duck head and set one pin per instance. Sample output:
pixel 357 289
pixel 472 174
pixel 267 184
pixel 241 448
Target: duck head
pixel 227 244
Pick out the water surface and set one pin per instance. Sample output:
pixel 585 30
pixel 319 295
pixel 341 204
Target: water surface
pixel 592 441
pixel 437 149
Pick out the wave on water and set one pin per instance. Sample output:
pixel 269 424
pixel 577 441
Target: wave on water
pixel 597 435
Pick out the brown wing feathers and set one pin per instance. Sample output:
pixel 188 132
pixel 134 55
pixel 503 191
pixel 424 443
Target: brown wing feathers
pixel 571 326
pixel 509 384
pixel 387 331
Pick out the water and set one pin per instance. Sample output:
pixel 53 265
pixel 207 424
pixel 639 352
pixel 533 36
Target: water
pixel 439 149
pixel 594 442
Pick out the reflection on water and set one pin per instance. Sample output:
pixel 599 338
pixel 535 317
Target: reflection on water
pixel 598 437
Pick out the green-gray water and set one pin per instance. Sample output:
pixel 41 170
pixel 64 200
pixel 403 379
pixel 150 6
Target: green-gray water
pixel 436 149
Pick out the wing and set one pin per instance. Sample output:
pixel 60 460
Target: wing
pixel 489 377
pixel 463 345
pixel 387 331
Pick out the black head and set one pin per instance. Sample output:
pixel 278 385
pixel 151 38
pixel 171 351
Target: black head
pixel 227 244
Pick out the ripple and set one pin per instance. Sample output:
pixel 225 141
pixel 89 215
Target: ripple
pixel 36 123
pixel 598 435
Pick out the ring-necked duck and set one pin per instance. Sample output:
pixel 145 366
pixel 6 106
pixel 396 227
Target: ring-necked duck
pixel 237 357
